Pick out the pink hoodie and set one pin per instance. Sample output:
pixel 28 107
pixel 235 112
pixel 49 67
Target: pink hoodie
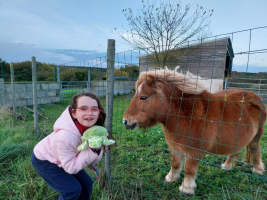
pixel 60 147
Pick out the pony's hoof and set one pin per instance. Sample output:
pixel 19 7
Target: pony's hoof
pixel 257 171
pixel 187 191
pixel 168 181
pixel 225 167
pixel 171 178
pixel 188 186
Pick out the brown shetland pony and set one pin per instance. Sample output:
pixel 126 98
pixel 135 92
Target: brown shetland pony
pixel 196 122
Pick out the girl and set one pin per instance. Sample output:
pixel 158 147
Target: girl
pixel 56 158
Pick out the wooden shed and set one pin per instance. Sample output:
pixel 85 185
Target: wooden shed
pixel 209 59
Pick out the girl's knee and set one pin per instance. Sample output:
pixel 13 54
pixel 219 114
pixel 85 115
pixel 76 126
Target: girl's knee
pixel 72 193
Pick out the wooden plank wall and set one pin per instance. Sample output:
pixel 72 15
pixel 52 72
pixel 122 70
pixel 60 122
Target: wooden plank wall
pixel 206 59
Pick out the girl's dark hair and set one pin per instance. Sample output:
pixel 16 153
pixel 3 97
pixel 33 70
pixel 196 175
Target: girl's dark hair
pixel 102 116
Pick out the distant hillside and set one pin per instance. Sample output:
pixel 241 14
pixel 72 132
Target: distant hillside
pixel 260 75
pixel 48 72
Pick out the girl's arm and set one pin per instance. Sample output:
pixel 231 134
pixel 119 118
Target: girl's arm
pixel 71 160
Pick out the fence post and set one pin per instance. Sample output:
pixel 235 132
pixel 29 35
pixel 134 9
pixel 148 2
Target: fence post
pixel 2 92
pixel 2 69
pixel 58 74
pixel 225 83
pixel 109 101
pixel 59 84
pixel 89 79
pixel 260 87
pixel 55 68
pixel 34 96
pixel 14 107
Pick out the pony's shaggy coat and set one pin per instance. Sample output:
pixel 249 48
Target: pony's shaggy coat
pixel 196 122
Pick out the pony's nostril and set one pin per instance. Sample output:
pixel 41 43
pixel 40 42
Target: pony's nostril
pixel 125 122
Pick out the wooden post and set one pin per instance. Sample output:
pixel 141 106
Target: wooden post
pixel 2 69
pixel 34 96
pixel 109 101
pixel 89 79
pixel 59 84
pixel 14 107
pixel 2 92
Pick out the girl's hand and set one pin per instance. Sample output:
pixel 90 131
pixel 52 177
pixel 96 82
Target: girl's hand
pixel 102 147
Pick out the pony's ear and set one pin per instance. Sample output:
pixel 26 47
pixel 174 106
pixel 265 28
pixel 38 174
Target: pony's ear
pixel 151 80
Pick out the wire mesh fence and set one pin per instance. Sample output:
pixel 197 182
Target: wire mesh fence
pixel 147 156
pixel 143 157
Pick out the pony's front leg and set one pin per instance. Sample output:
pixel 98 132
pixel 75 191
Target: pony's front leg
pixel 176 167
pixel 189 185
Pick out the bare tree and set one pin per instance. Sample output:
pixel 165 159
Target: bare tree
pixel 158 30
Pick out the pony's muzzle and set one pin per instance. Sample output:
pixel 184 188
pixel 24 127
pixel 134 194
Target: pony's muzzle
pixel 129 126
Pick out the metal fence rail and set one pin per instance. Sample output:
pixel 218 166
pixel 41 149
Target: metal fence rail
pixel 68 88
pixel 259 86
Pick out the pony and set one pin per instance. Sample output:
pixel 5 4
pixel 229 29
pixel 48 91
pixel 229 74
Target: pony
pixel 195 121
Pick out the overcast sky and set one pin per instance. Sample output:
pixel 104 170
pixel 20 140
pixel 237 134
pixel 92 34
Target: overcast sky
pixel 60 31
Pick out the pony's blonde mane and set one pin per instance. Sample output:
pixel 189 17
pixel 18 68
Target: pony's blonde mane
pixel 188 83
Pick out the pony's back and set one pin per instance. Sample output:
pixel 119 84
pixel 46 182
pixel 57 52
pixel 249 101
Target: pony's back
pixel 251 102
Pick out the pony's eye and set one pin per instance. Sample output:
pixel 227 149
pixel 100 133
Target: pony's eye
pixel 143 98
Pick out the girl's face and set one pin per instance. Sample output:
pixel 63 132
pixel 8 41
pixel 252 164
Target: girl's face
pixel 87 111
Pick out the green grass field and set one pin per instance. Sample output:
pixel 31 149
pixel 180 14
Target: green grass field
pixel 140 161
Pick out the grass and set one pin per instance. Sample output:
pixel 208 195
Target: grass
pixel 140 162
